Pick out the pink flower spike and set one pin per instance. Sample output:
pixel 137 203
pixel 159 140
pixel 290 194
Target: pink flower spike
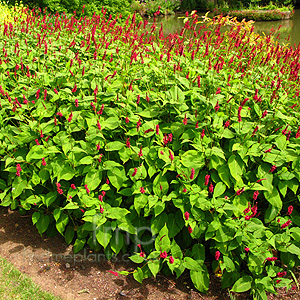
pixel 206 179
pixel 192 174
pixel 217 255
pixel 114 273
pixel 134 172
pixel 290 210
pixel 171 260
pixel 186 215
pixel 142 190
pixel 273 168
pixel 190 229
pixel 163 254
pixel 247 249
pixel 202 133
pixel 185 120
pixel 73 186
pixel 44 162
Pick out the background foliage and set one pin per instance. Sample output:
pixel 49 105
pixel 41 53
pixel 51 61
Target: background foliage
pixel 183 150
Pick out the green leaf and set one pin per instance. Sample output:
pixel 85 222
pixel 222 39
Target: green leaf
pixel 293 249
pixel 49 198
pixel 117 213
pixel 18 185
pixel 219 189
pixel 114 146
pixel 69 235
pixel 43 223
pixel 67 173
pixel 140 202
pixel 242 285
pixel 138 275
pixel 236 167
pixel 200 279
pixel 137 258
pixel 93 179
pixel 36 152
pixel 117 242
pixel 162 241
pixel 193 159
pixel 87 160
pixel 104 234
pixel 193 264
pixel 228 264
pixel 116 177
pixel 154 266
pixel 35 217
pixel 62 222
pixel 224 173
pixel 160 185
pixel 273 198
pixel 78 245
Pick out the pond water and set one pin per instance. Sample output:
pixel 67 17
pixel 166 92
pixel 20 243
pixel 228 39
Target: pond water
pixel 289 28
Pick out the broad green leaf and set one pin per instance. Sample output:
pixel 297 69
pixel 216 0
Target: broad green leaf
pixel 200 279
pixel 104 234
pixel 154 266
pixel 62 222
pixel 114 146
pixel 242 285
pixel 117 242
pixel 78 245
pixel 93 178
pixel 219 189
pixel 138 275
pixel 42 223
pixel 236 167
pixel 35 217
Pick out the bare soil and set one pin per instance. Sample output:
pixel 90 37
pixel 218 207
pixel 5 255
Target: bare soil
pixel 51 263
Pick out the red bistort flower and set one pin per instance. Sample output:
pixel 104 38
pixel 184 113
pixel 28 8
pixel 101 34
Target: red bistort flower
pixel 290 210
pixel 206 182
pixel 217 255
pixel 186 215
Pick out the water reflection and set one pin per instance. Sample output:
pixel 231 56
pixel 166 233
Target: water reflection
pixel 288 28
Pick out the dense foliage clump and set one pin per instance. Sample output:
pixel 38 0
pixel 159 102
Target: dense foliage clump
pixel 183 149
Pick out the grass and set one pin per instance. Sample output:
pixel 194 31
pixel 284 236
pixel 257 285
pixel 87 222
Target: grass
pixel 15 285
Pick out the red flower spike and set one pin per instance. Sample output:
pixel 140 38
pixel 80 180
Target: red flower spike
pixel 206 179
pixel 192 174
pixel 186 215
pixel 185 120
pixel 202 133
pixel 114 273
pixel 217 255
pixel 171 260
pixel 290 210
pixel 286 224
pixel 255 195
pixel 134 172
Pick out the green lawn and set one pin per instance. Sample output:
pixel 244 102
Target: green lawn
pixel 15 285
